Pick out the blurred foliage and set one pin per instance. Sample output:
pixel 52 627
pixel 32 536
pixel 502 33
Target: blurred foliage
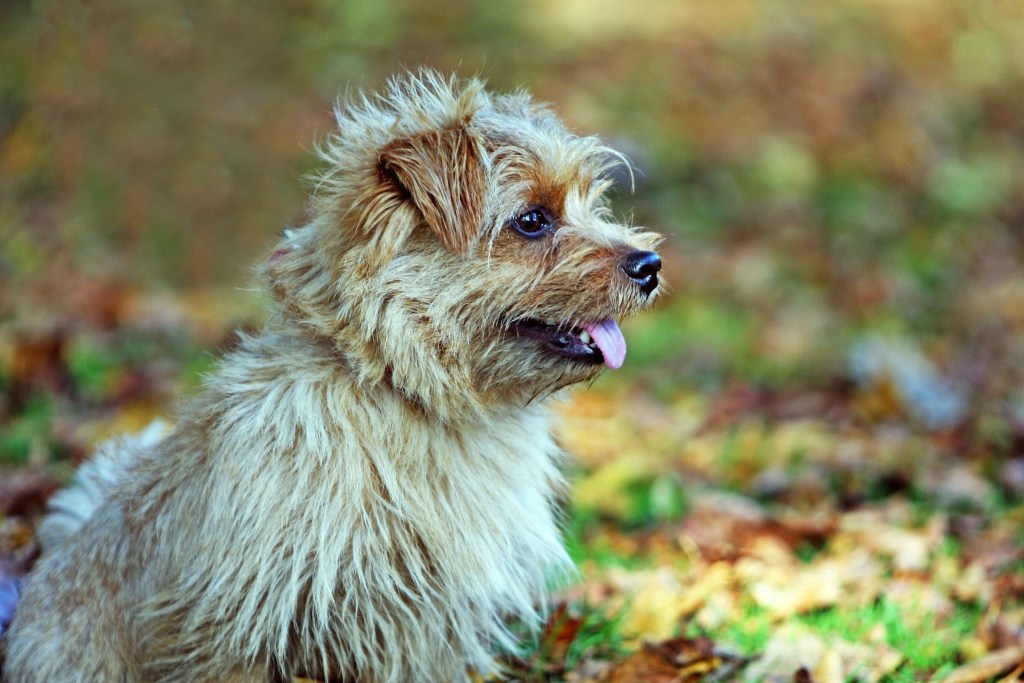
pixel 819 167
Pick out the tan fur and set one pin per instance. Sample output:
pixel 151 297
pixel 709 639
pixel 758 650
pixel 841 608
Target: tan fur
pixel 364 491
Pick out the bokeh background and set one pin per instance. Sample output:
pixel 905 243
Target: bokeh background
pixel 840 184
pixel 821 169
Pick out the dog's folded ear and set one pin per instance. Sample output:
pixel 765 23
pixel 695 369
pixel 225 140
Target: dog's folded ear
pixel 442 173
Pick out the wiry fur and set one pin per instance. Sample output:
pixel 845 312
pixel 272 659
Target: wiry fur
pixel 365 491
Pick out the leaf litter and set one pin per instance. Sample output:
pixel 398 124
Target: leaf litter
pixel 854 575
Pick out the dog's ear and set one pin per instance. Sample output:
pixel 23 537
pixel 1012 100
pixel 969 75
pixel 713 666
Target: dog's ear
pixel 443 175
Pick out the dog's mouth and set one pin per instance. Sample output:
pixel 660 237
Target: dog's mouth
pixel 588 342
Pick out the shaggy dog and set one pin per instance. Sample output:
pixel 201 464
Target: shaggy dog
pixel 364 491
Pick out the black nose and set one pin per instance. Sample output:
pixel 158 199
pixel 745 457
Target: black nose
pixel 642 268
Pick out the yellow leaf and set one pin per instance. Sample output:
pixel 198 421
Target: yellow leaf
pixel 656 601
pixel 603 491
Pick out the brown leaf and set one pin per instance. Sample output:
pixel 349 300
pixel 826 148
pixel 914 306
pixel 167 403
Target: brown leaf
pixel 1014 676
pixel 992 664
pixel 802 675
pixel 24 492
pixel 645 665
pixel 589 671
pixel 657 600
pixel 677 660
pixel 559 633
pixel 39 365
pixel 793 647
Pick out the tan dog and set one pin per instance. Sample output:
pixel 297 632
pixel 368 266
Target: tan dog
pixel 365 491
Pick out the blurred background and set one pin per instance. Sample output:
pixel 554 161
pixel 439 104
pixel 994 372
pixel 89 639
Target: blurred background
pixel 840 184
pixel 821 169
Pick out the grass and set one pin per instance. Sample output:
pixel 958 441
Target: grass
pixel 94 367
pixel 926 652
pixel 574 634
pixel 925 643
pixel 587 545
pixel 27 432
pixel 929 643
pixel 749 634
pixel 929 646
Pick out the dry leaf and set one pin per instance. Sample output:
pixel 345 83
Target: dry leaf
pixel 589 671
pixel 24 492
pixel 656 600
pixel 644 665
pixel 794 647
pixel 1014 676
pixel 604 490
pixel 677 660
pixel 992 664
pixel 788 588
pixel 559 633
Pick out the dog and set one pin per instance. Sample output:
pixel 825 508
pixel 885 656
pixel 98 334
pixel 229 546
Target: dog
pixel 367 489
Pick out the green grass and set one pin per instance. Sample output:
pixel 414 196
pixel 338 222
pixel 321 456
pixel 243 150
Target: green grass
pixel 926 643
pixel 93 367
pixel 649 500
pixel 26 432
pixel 749 634
pixel 599 636
pixel 929 646
pixel 587 544
pixel 95 364
pixel 196 367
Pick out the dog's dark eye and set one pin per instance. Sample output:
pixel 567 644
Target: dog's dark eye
pixel 533 224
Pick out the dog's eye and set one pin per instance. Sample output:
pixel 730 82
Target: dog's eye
pixel 533 224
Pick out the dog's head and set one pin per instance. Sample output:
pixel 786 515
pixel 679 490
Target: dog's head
pixel 462 248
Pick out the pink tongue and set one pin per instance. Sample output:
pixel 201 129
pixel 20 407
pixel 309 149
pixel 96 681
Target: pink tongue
pixel 609 339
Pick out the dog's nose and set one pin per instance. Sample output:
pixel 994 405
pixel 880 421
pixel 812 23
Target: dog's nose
pixel 642 268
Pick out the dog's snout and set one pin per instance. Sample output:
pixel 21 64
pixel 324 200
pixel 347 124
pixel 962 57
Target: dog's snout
pixel 642 268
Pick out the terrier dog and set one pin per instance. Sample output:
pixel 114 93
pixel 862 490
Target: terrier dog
pixel 365 491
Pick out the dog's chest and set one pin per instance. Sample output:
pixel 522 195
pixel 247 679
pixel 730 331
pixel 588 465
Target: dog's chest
pixel 437 546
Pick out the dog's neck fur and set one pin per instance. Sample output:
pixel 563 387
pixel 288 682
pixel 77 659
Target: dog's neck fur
pixel 457 586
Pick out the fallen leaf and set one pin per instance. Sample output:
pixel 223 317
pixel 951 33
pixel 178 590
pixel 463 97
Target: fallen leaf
pixel 961 485
pixel 656 600
pixel 39 365
pixel 785 587
pixel 830 667
pixel 909 549
pixel 794 647
pixel 589 671
pixel 559 633
pixel 802 675
pixel 677 660
pixel 1014 676
pixel 644 665
pixel 711 581
pixel 992 664
pixel 24 492
pixel 603 491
